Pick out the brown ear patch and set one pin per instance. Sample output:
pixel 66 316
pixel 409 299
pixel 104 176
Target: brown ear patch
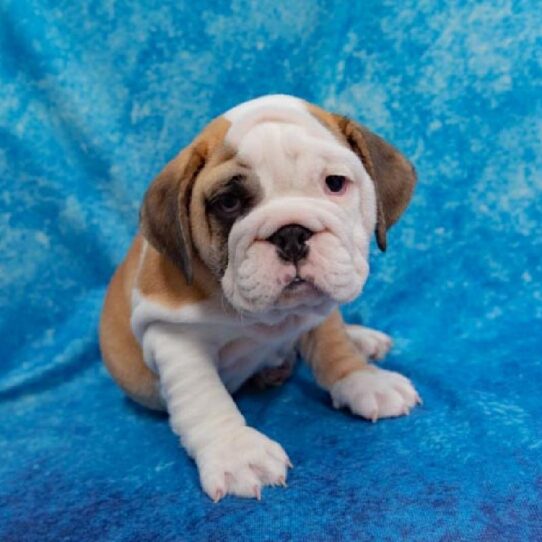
pixel 164 213
pixel 393 175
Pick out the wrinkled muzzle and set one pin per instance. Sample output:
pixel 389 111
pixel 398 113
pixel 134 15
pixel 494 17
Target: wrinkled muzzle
pixel 334 268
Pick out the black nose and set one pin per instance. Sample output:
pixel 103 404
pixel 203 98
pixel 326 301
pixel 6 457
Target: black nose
pixel 291 242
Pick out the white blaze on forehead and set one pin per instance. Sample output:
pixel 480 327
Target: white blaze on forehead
pixel 276 101
pixel 276 108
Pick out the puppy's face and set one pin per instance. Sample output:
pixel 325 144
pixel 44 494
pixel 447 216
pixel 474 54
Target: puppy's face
pixel 277 201
pixel 288 218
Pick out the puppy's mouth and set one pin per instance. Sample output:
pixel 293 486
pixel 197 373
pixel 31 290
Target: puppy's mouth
pixel 297 283
pixel 300 289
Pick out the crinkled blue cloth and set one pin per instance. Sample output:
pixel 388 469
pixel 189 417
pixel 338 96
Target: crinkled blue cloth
pixel 96 96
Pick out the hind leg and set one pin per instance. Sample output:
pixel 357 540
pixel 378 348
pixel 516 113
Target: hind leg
pixel 272 377
pixel 370 342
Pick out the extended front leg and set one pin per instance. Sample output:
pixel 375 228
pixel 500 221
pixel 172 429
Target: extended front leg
pixel 231 457
pixel 341 367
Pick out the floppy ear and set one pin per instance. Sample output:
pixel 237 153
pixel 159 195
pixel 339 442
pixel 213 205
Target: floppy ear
pixel 394 176
pixel 165 210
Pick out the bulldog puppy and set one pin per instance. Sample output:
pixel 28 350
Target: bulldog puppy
pixel 250 238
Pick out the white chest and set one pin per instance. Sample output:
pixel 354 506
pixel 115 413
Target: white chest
pixel 238 347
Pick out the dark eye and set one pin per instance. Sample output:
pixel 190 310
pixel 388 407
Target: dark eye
pixel 335 183
pixel 228 204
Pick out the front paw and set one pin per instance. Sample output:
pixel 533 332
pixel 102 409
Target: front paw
pixel 372 343
pixel 375 393
pixel 241 465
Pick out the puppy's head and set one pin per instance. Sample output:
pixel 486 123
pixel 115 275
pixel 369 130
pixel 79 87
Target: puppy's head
pixel 279 199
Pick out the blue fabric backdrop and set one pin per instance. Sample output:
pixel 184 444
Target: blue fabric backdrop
pixel 96 96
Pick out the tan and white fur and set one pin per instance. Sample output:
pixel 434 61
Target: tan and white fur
pixel 205 300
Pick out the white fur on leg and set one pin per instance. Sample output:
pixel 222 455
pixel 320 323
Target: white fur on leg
pixel 231 457
pixel 370 342
pixel 375 393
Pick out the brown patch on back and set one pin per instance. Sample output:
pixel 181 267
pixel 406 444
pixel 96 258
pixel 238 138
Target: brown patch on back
pixel 121 352
pixel 160 281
